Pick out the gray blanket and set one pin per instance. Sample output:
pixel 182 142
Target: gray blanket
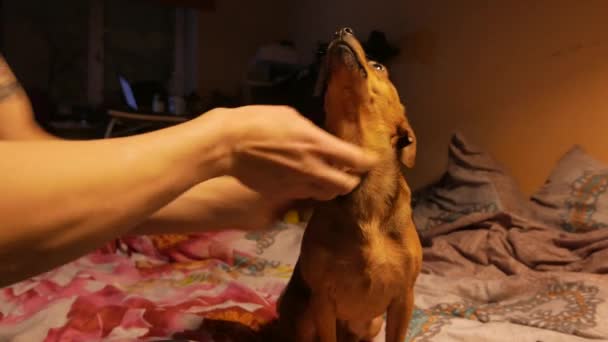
pixel 494 272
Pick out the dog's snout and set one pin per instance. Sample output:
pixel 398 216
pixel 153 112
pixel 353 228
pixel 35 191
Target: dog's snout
pixel 341 33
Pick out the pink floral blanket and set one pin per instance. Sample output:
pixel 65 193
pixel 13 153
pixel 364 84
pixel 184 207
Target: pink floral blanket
pixel 151 288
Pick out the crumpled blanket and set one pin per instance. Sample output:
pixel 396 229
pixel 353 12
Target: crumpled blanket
pixel 493 281
pixel 492 271
pixel 152 288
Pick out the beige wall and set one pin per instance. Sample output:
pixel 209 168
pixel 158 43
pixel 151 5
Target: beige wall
pixel 524 79
pixel 230 35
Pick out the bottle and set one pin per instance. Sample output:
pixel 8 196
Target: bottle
pixel 176 103
pixel 158 106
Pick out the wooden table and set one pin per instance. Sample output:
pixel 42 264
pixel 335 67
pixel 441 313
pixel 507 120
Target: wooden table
pixel 137 121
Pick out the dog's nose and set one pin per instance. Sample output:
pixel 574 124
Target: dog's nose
pixel 344 32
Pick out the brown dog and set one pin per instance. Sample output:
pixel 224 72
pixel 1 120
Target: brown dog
pixel 360 254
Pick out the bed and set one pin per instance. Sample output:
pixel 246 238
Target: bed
pixel 498 266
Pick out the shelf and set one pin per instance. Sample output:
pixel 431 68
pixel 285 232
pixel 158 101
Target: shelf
pixel 203 5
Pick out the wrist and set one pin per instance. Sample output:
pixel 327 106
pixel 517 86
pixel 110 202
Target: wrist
pixel 208 141
pixel 195 151
pixel 219 148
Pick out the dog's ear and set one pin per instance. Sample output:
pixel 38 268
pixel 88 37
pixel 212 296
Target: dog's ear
pixel 406 144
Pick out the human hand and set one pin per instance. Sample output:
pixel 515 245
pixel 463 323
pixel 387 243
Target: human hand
pixel 276 150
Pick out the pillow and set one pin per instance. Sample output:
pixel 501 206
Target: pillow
pixel 575 197
pixel 474 188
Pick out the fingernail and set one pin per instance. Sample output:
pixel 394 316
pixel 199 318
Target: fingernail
pixel 353 183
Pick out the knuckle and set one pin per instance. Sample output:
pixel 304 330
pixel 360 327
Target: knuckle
pixel 326 193
pixel 309 149
pixel 307 169
pixel 308 164
pixel 288 110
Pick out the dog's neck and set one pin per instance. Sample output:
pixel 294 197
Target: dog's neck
pixel 375 206
pixel 383 188
pixel 378 193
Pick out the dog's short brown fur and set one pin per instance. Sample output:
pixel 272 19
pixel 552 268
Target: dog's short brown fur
pixel 360 254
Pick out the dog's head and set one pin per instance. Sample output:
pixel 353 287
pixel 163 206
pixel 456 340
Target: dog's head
pixel 362 105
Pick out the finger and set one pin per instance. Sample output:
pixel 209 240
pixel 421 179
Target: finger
pixel 323 193
pixel 346 155
pixel 331 182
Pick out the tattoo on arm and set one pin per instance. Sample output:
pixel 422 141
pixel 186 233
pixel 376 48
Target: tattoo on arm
pixel 5 70
pixel 8 83
pixel 6 90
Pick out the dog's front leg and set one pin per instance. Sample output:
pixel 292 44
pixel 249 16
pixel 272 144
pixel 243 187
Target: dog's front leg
pixel 305 327
pixel 398 316
pixel 324 313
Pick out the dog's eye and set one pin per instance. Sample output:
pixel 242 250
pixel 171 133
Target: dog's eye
pixel 404 141
pixel 378 66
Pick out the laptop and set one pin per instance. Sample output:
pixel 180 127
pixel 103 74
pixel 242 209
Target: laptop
pixel 127 93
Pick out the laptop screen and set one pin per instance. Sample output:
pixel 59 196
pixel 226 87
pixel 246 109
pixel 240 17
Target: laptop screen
pixel 128 93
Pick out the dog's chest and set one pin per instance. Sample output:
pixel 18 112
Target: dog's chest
pixel 364 289
pixel 361 277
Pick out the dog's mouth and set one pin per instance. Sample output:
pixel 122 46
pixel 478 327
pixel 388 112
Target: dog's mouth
pixel 342 55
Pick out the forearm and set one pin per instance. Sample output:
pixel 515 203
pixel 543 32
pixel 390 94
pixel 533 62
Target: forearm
pixel 217 204
pixel 63 199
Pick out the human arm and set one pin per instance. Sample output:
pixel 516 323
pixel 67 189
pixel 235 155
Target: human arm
pixel 61 199
pixel 217 204
pixel 202 206
pixel 266 176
